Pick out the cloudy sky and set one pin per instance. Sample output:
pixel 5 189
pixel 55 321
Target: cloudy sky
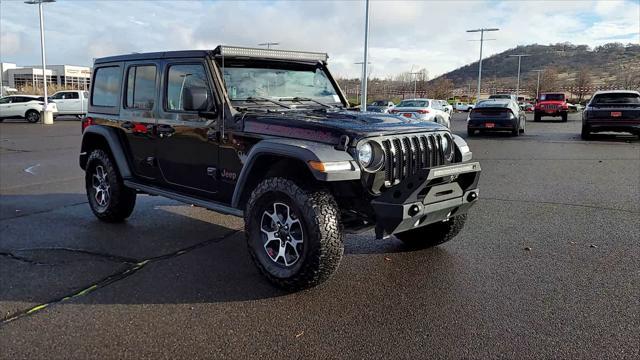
pixel 423 34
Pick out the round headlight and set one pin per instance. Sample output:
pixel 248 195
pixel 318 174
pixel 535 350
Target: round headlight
pixel 447 146
pixel 365 154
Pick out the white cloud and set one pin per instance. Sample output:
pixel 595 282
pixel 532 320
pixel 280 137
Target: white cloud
pixel 426 34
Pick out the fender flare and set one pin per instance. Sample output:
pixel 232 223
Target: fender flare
pixel 111 137
pixel 301 150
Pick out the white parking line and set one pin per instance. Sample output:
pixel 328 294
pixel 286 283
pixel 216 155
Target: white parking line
pixel 30 169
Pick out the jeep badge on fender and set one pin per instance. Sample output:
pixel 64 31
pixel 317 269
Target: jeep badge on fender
pixel 266 135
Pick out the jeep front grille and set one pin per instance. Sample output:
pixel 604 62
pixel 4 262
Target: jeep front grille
pixel 405 155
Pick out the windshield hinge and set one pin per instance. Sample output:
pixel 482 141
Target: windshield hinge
pixel 343 144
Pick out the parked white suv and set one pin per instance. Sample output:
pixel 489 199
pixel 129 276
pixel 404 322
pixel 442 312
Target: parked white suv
pixel 23 106
pixel 423 110
pixel 71 102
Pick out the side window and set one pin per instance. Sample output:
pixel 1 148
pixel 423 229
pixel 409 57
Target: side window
pixel 72 95
pixel 141 87
pixel 5 100
pixel 187 79
pixel 57 96
pixel 106 87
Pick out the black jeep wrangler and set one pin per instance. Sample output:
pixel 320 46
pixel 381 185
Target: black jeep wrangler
pixel 267 135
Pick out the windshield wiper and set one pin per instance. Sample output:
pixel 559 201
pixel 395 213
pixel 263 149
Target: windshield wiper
pixel 301 99
pixel 256 99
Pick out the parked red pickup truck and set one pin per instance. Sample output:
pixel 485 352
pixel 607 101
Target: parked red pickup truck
pixel 551 104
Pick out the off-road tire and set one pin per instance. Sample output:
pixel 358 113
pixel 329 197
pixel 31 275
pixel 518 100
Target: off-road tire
pixel 122 199
pixel 32 116
pixel 564 117
pixel 433 234
pixel 319 215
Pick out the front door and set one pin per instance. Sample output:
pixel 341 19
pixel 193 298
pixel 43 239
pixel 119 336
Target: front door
pixel 139 108
pixel 187 147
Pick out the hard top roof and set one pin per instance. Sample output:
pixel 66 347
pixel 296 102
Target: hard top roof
pixel 222 51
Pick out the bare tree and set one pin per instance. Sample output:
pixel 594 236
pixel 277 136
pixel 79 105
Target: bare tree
pixel 582 82
pixel 549 80
pixel 442 88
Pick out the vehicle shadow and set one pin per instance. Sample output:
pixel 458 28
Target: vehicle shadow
pixel 165 252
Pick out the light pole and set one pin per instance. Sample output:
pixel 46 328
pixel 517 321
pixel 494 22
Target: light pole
pixel 269 44
pixel 363 94
pixel 481 31
pixel 519 56
pixel 47 116
pixel 538 86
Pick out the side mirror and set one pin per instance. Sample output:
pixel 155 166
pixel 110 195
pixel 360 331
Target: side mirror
pixel 195 99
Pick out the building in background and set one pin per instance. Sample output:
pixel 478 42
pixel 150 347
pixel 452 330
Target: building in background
pixel 63 76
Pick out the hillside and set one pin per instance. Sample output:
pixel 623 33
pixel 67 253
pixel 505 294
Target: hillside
pixel 614 65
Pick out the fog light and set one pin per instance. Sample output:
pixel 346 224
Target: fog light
pixel 472 197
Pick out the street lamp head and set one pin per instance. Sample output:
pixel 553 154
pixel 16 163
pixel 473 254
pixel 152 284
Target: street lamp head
pixel 35 2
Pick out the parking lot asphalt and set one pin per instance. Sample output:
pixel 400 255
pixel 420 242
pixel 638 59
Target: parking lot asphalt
pixel 548 266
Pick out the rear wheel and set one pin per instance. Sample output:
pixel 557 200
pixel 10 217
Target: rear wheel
pixel 294 235
pixel 109 199
pixel 470 132
pixel 433 234
pixel 586 133
pixel 32 116
pixel 536 117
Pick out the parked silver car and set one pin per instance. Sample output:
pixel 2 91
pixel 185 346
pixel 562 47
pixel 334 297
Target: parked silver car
pixel 423 110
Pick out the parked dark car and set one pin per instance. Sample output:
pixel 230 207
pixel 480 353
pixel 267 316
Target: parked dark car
pixel 497 115
pixel 616 111
pixel 266 135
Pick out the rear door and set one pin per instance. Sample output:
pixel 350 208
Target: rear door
pixel 138 114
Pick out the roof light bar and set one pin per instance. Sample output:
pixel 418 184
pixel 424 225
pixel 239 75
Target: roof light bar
pixel 272 53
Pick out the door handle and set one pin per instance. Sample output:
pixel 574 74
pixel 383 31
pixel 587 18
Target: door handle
pixel 165 130
pixel 127 125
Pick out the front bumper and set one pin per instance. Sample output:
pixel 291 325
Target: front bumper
pixel 429 196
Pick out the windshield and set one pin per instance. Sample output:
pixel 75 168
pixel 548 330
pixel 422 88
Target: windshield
pixel 270 83
pixel 552 97
pixel 500 96
pixel 616 98
pixel 379 103
pixel 414 103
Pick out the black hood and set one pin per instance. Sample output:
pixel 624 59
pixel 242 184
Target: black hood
pixel 329 126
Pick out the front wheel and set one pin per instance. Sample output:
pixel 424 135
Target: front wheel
pixel 564 117
pixel 536 117
pixel 32 116
pixel 294 235
pixel 433 234
pixel 109 199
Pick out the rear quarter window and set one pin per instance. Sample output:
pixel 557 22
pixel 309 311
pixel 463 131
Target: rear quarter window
pixel 106 87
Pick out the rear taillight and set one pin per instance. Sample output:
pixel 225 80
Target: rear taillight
pixel 86 122
pixel 393 111
pixel 423 111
